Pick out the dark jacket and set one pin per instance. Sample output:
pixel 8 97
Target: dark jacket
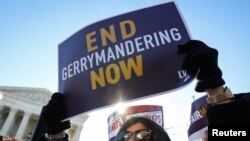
pixel 233 113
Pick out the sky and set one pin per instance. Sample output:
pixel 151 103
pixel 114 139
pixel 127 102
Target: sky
pixel 30 32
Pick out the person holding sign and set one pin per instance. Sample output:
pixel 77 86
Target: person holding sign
pixel 203 59
pixel 228 114
pixel 223 108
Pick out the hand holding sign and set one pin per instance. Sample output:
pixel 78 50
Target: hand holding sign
pixel 53 113
pixel 204 59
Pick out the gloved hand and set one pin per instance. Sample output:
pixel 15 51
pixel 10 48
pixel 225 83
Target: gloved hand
pixel 53 113
pixel 204 60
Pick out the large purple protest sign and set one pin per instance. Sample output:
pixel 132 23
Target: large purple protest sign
pixel 126 57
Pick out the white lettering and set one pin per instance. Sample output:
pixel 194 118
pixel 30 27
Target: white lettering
pixel 216 132
pixel 123 49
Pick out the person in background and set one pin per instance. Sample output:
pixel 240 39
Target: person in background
pixel 223 108
pixel 141 129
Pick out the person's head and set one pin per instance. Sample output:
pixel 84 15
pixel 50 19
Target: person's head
pixel 141 129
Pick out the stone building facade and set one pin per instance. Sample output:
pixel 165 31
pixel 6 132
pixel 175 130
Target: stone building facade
pixel 19 112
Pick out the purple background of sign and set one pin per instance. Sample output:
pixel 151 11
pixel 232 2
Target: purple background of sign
pixel 160 65
pixel 201 123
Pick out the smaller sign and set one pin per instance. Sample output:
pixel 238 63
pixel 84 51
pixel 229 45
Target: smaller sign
pixel 198 121
pixel 116 119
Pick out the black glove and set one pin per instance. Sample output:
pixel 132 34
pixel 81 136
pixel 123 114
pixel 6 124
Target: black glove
pixel 53 113
pixel 204 60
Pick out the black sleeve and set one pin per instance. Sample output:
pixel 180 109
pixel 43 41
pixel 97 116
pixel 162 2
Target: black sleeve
pixel 40 130
pixel 43 138
pixel 233 113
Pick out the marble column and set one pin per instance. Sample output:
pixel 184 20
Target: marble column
pixel 24 124
pixel 1 116
pixel 1 108
pixel 77 133
pixel 1 111
pixel 7 124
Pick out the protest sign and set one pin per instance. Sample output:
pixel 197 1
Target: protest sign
pixel 126 57
pixel 198 121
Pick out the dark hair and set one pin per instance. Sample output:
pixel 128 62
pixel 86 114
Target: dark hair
pixel 158 133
